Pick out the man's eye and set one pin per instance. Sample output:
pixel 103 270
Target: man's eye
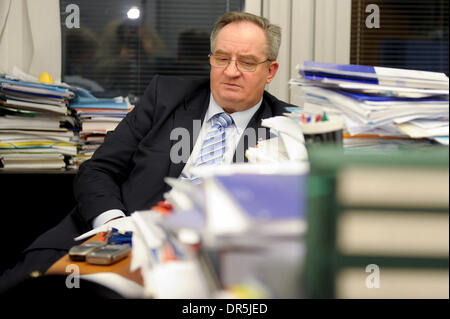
pixel 247 63
pixel 222 59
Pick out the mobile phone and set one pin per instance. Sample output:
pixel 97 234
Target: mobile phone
pixel 107 255
pixel 79 252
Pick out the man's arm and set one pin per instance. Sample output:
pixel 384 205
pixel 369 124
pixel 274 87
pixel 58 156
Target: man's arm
pixel 97 186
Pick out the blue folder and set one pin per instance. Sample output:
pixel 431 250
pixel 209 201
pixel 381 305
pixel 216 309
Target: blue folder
pixel 267 197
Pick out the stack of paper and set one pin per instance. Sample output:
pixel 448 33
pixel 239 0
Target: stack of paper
pixel 242 204
pixel 252 216
pixel 378 101
pixel 35 125
pixel 97 116
pixel 286 144
pixel 33 161
pixel 169 268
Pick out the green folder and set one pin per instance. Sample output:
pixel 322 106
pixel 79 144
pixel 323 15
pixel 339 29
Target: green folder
pixel 377 224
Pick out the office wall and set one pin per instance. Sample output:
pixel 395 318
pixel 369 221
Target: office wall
pixel 314 30
pixel 30 37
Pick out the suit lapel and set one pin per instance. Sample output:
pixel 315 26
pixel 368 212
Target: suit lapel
pixel 188 120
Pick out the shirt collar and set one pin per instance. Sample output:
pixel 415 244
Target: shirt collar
pixel 240 118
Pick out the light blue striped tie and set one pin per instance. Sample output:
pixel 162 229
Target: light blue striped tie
pixel 214 145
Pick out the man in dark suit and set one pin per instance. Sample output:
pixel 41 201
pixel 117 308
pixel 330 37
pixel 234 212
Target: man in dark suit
pixel 126 173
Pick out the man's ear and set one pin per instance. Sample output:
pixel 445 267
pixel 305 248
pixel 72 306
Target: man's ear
pixel 273 68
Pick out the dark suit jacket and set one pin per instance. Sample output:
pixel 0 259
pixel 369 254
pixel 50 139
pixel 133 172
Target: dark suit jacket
pixel 127 171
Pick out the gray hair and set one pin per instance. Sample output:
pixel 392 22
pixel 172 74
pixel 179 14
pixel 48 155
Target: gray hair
pixel 272 31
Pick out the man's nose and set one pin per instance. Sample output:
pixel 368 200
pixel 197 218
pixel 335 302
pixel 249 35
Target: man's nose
pixel 231 69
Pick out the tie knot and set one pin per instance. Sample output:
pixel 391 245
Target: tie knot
pixel 223 120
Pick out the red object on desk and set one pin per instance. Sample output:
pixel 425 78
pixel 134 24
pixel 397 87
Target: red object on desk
pixel 103 236
pixel 163 207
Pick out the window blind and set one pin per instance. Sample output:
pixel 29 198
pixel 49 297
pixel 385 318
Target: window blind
pixel 411 34
pixel 111 54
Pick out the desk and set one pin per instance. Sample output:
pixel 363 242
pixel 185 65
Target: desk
pixel 121 267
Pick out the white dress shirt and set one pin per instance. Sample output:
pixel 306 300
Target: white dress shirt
pixel 233 134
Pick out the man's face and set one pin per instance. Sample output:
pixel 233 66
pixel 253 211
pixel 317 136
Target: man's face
pixel 232 89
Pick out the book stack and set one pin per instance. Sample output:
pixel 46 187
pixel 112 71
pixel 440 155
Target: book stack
pixel 97 116
pixel 382 107
pixel 36 128
pixel 378 226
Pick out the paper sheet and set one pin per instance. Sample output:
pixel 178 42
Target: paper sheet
pixel 122 224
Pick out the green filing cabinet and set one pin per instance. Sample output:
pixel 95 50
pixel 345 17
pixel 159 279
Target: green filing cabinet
pixel 378 224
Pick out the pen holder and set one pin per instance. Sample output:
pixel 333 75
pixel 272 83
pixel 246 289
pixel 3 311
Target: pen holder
pixel 329 131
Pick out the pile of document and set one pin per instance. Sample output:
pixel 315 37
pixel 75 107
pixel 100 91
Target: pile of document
pixel 286 142
pixel 168 264
pixel 36 129
pixel 249 213
pixel 97 116
pixel 377 102
pixel 234 232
